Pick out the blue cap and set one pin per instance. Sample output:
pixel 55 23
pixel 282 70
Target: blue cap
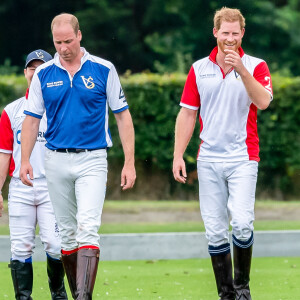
pixel 37 55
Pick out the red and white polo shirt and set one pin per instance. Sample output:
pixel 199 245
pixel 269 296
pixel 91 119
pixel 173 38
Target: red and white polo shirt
pixel 228 118
pixel 11 121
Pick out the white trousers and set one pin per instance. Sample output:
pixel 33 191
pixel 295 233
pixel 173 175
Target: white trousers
pixel 28 206
pixel 227 191
pixel 77 186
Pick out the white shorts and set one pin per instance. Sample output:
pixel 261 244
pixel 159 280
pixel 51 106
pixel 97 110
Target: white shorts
pixel 77 186
pixel 227 191
pixel 28 206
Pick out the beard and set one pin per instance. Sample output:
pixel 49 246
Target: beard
pixel 231 46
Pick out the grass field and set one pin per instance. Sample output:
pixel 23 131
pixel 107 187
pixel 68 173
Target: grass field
pixel 136 207
pixel 178 227
pixel 271 279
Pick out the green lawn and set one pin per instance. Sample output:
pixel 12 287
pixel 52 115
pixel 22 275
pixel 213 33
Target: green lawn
pixel 271 279
pixel 135 207
pixel 178 227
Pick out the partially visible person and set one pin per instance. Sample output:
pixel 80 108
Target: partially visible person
pixel 76 89
pixel 226 88
pixel 29 205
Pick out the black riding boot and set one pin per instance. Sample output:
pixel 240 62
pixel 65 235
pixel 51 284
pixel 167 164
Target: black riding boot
pixel 223 273
pixel 22 277
pixel 242 264
pixel 56 275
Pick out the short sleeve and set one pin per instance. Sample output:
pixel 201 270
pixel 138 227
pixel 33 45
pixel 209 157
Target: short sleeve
pixel 6 134
pixel 34 106
pixel 115 95
pixel 262 75
pixel 190 97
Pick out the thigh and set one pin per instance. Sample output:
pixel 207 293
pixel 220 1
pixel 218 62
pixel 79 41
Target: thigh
pixel 90 188
pixel 22 219
pixel 242 185
pixel 61 187
pixel 213 194
pixel 49 232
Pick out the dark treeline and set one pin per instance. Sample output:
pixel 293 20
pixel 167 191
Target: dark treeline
pixel 160 36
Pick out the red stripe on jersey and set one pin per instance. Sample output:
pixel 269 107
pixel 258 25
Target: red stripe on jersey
pixel 27 93
pixel 6 133
pixel 68 252
pixel 7 138
pixel 89 247
pixel 190 95
pixel 252 136
pixel 262 75
pixel 201 127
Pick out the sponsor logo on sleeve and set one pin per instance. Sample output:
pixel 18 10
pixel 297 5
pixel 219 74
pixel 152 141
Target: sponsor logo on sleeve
pixel 121 94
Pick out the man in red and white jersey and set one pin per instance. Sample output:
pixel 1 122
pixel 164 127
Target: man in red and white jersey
pixel 28 205
pixel 226 88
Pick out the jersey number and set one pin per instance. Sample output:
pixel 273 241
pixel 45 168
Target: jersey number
pixel 268 86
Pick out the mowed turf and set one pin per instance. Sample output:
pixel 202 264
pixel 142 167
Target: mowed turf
pixel 136 207
pixel 271 279
pixel 178 227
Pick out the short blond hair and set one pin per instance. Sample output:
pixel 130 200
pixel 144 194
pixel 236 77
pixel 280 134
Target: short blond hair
pixel 228 15
pixel 66 19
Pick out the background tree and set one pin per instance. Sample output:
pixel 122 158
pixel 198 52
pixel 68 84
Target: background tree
pixel 160 36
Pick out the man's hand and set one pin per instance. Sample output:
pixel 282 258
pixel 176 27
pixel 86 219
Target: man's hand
pixel 24 170
pixel 179 170
pixel 233 59
pixel 128 177
pixel 1 205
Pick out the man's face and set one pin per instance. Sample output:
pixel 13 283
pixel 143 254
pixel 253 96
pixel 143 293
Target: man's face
pixel 66 42
pixel 29 71
pixel 229 36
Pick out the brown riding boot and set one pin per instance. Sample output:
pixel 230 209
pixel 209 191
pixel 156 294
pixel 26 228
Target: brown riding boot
pixel 70 265
pixel 87 266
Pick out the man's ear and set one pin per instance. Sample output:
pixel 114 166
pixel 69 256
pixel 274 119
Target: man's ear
pixel 215 31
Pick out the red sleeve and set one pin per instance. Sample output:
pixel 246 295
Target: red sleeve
pixel 190 95
pixel 6 133
pixel 262 75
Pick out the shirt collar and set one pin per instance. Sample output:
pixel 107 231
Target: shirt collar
pixel 84 58
pixel 214 53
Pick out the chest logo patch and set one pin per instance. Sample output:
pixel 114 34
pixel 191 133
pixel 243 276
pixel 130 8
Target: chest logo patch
pixel 89 84
pixel 53 84
pixel 205 76
pixel 237 75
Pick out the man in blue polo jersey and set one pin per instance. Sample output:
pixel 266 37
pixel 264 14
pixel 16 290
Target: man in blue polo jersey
pixel 76 89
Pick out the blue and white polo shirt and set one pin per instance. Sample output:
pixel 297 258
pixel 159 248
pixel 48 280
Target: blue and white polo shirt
pixel 76 108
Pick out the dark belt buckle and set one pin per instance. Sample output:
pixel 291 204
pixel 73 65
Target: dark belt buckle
pixel 79 150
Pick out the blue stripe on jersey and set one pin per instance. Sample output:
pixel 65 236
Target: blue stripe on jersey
pixel 120 110
pixel 76 111
pixel 32 114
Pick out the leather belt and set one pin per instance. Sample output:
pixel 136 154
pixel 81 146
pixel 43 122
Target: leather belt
pixel 72 150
